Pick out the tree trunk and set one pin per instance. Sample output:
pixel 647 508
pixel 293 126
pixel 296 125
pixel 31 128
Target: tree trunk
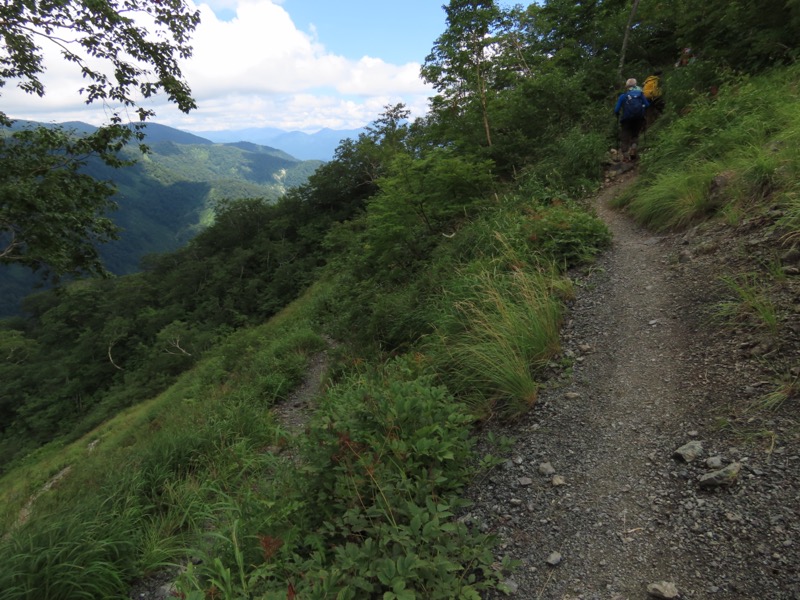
pixel 625 38
pixel 484 107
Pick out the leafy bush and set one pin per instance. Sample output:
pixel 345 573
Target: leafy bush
pixel 566 234
pixel 573 163
pixel 381 467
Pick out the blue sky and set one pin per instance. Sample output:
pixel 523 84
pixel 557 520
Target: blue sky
pixel 291 64
pixel 398 32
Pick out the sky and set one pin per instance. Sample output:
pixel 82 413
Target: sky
pixel 297 65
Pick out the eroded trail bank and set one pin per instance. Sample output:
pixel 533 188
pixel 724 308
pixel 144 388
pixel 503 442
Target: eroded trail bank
pixel 592 501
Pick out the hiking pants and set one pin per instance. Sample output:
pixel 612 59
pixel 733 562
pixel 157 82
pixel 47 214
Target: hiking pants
pixel 629 134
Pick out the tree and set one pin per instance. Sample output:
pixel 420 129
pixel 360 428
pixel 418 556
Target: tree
pixel 52 214
pixel 459 62
pixel 746 36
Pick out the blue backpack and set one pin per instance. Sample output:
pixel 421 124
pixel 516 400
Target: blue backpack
pixel 633 107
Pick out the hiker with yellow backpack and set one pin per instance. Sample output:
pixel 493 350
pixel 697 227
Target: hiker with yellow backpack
pixel 654 93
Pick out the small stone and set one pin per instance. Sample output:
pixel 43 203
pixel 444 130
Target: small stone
pixel 733 517
pixel 714 462
pixel 572 395
pixel 726 476
pixel 511 585
pixel 558 481
pixel 663 589
pixel 554 559
pixel 525 481
pixel 546 469
pixel 689 452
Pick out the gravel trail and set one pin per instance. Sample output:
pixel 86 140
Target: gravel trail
pixel 592 500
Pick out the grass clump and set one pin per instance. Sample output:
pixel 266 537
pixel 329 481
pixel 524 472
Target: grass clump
pixel 785 388
pixel 503 328
pixel 750 305
pixel 674 199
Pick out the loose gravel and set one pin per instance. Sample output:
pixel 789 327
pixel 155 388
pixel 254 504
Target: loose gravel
pixel 623 483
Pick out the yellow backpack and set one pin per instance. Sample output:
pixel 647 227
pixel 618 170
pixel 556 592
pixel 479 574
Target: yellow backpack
pixel 652 87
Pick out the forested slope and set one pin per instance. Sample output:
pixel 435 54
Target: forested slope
pixel 435 254
pixel 168 195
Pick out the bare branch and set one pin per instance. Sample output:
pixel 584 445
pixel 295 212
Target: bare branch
pixel 111 358
pixel 176 343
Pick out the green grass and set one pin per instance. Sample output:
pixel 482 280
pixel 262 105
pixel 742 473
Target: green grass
pixel 674 199
pixel 509 330
pixel 785 388
pixel 751 303
pixel 730 155
pixel 212 425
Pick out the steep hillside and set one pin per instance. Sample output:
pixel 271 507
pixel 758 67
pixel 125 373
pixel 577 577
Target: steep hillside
pixel 612 382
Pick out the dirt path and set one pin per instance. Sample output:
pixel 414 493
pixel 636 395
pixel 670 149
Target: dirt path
pixel 591 500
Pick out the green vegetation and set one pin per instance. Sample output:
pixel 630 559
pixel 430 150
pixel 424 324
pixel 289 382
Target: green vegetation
pixel 166 198
pixel 430 260
pixel 729 154
pixel 751 303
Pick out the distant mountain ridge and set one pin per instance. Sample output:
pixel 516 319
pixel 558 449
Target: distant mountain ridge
pixel 306 146
pixel 168 196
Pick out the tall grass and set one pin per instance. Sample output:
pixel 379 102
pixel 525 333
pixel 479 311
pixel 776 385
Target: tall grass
pixel 675 199
pixel 509 329
pixel 76 556
pixel 151 488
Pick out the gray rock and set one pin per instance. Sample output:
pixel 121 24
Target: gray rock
pixel 689 452
pixel 663 589
pixel 714 462
pixel 554 559
pixel 726 476
pixel 525 481
pixel 546 469
pixel 511 585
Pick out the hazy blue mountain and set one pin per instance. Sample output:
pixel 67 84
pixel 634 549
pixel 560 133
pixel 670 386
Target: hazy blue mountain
pixel 305 146
pixel 169 194
pixel 160 133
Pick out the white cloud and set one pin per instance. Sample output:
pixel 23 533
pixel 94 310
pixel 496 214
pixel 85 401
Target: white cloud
pixel 255 69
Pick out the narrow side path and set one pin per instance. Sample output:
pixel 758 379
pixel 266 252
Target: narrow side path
pixel 591 501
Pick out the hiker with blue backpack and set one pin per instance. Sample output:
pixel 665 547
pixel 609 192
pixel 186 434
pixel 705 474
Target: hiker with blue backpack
pixel 630 108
